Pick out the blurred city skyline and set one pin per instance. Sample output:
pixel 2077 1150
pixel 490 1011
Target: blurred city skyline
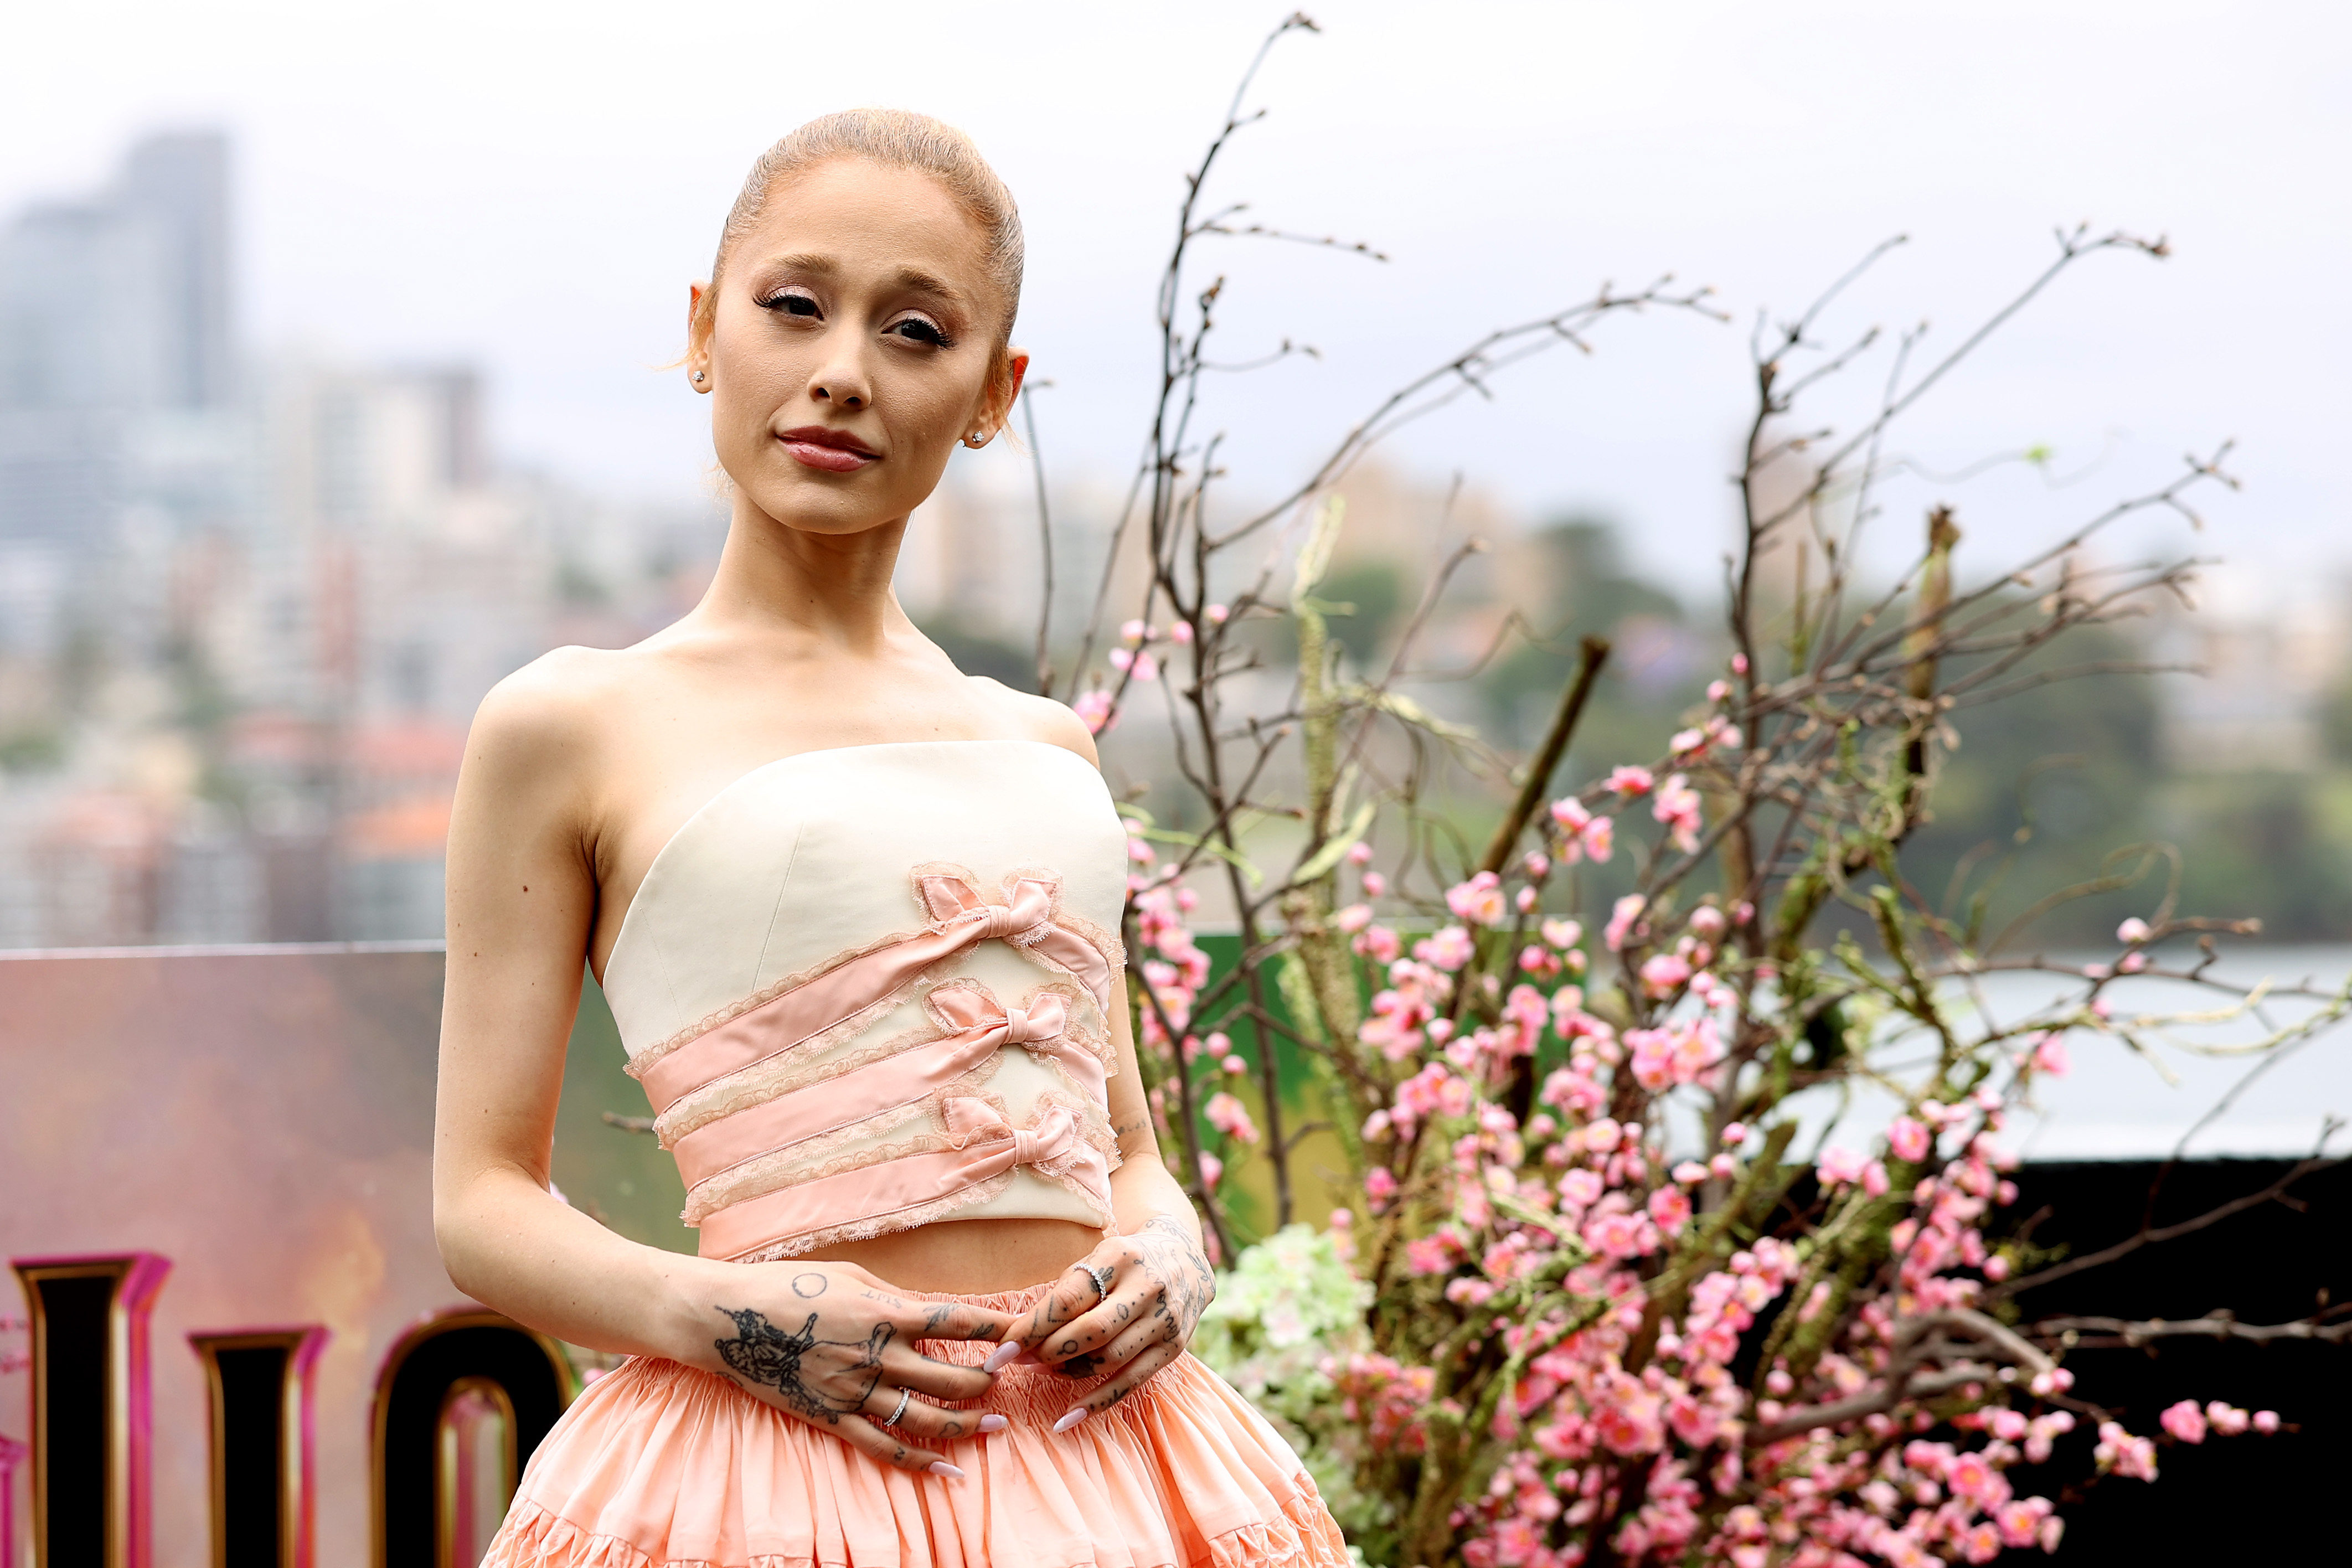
pixel 529 191
pixel 273 518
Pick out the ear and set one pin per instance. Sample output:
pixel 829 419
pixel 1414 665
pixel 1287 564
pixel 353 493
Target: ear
pixel 697 338
pixel 996 408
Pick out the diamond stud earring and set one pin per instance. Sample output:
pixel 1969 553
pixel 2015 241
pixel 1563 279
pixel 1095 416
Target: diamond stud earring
pixel 698 375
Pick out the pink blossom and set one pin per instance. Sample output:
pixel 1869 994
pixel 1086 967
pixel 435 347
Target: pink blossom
pixel 1571 814
pixel 1908 1139
pixel 1677 806
pixel 1581 1188
pixel 1235 1065
pixel 1738 663
pixel 1686 743
pixel 1216 613
pixel 2020 1521
pixel 1873 1179
pixel 1353 918
pixel 1621 1235
pixel 1627 1417
pixel 1230 1116
pixel 1839 1166
pixel 1379 945
pixel 1599 838
pixel 1448 950
pixel 1134 632
pixel 1717 690
pixel 1628 784
pixel 1478 900
pixel 1213 1170
pixel 1690 1173
pixel 2267 1421
pixel 2228 1419
pixel 1707 923
pixel 1182 632
pixel 1621 917
pixel 1375 885
pixel 1663 974
pixel 1093 708
pixel 2049 1054
pixel 2125 1455
pixel 2185 1421
pixel 1561 933
pixel 1537 864
pixel 1539 960
pixel 1671 1207
pixel 2133 931
pixel 1735 1133
pixel 1429 1255
pixel 1145 668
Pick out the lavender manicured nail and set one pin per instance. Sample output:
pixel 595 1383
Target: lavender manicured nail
pixel 945 1471
pixel 1000 1356
pixel 993 1423
pixel 1072 1419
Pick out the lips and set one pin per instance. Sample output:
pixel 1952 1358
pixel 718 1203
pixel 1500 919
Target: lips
pixel 835 451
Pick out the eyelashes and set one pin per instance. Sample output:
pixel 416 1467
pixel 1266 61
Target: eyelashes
pixel 921 330
pixel 914 328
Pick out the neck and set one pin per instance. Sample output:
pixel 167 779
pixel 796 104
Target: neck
pixel 833 589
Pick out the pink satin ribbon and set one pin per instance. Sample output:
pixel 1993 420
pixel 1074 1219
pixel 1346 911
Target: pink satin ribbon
pixel 989 1147
pixel 962 920
pixel 950 898
pixel 981 1026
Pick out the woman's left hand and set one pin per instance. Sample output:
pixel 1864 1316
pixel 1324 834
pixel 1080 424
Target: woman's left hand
pixel 1128 1307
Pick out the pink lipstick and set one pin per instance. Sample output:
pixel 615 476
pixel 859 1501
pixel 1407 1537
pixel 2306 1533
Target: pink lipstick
pixel 835 451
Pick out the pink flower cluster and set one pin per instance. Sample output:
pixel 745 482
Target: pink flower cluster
pixel 1533 1221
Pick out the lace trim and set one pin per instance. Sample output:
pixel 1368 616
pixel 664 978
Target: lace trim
pixel 865 1229
pixel 645 1058
pixel 1101 940
pixel 779 1168
pixel 772 1077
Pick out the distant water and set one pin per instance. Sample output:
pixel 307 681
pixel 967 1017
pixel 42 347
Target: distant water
pixel 2116 1103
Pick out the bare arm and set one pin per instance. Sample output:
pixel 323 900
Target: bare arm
pixel 828 1342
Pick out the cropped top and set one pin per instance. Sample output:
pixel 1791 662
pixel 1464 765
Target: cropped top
pixel 869 988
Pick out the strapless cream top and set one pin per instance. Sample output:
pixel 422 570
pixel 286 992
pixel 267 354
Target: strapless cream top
pixel 868 988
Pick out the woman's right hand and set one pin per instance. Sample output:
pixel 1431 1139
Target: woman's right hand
pixel 830 1344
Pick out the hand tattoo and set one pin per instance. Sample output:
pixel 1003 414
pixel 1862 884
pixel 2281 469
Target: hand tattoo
pixel 765 1356
pixel 1174 1259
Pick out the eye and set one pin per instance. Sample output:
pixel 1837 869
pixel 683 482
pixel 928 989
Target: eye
pixel 790 302
pixel 921 330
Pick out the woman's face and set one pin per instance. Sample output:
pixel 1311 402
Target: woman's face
pixel 850 348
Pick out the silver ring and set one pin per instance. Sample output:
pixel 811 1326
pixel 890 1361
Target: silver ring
pixel 906 1397
pixel 1099 1278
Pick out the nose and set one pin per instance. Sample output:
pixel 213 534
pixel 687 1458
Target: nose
pixel 843 383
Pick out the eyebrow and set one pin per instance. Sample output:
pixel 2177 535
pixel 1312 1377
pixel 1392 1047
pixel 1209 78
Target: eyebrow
pixel 909 277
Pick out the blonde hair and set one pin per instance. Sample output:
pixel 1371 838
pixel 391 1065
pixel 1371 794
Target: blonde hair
pixel 897 139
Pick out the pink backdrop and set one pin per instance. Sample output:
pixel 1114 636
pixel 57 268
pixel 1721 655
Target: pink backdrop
pixel 263 1118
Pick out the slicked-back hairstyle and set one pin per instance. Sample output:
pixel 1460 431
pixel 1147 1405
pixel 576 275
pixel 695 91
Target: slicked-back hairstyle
pixel 898 139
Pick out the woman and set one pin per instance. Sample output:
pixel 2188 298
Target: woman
pixel 855 913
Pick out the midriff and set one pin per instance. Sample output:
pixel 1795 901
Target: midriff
pixel 969 1257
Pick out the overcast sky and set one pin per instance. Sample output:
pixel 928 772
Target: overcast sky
pixel 530 186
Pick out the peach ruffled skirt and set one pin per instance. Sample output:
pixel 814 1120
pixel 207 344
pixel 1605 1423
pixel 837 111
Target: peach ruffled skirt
pixel 661 1466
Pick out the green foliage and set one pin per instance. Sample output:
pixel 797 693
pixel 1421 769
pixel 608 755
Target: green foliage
pixel 1289 1304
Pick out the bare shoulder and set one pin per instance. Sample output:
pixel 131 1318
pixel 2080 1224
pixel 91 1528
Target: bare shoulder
pixel 537 737
pixel 1039 718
